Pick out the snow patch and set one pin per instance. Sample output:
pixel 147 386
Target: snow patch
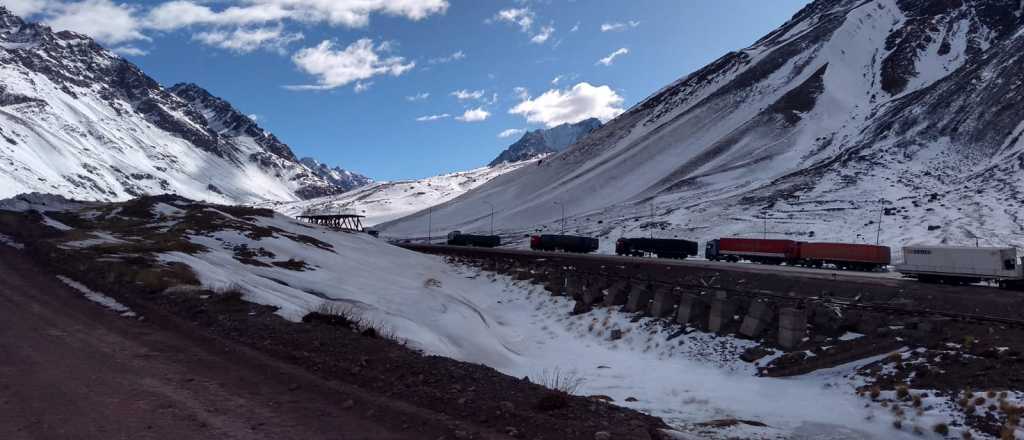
pixel 98 298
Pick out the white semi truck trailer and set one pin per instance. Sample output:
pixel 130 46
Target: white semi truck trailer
pixel 963 265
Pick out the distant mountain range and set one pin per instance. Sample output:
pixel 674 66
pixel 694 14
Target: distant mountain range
pixel 80 121
pixel 547 141
pixel 908 110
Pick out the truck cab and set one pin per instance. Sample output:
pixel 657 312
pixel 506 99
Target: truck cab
pixel 711 250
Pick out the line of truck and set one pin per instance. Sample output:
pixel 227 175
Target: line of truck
pixel 957 265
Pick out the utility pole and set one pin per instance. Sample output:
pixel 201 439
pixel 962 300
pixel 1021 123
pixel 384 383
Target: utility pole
pixel 652 221
pixel 881 210
pixel 563 215
pixel 764 214
pixel 492 216
pixel 430 222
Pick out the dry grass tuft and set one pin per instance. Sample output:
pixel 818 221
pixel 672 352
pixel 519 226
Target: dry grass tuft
pixel 941 429
pixel 568 382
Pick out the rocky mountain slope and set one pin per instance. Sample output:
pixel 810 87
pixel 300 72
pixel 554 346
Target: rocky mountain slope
pixel 341 178
pixel 77 120
pixel 385 201
pixel 908 110
pixel 537 143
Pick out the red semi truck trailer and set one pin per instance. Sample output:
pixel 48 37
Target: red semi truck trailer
pixel 844 255
pixel 752 249
pixel 796 253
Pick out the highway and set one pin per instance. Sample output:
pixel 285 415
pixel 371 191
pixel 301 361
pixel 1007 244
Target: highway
pixel 883 278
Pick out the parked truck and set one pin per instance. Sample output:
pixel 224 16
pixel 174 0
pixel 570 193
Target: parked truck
pixel 752 249
pixel 662 247
pixel 846 256
pixel 566 243
pixel 963 265
pixel 457 238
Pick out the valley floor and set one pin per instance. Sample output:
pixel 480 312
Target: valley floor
pixel 71 369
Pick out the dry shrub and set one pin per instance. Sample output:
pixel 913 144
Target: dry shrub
pixel 557 379
pixel 233 292
pixel 917 401
pixel 941 429
pixel 875 392
pixel 902 392
pixel 979 401
pixel 347 316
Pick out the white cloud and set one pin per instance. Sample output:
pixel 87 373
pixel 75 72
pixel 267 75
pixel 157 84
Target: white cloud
pixel 25 8
pixel 429 118
pixel 582 101
pixel 563 78
pixel 616 27
pixel 475 115
pixel 103 20
pixel 608 60
pixel 254 117
pixel 543 35
pixel 243 40
pixel 458 55
pixel 336 68
pixel 521 93
pixel 575 27
pixel 511 132
pixel 418 97
pixel 465 95
pixel 130 51
pixel 361 87
pixel 523 17
pixel 349 13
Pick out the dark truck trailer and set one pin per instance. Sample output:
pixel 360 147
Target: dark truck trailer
pixel 752 249
pixel 567 243
pixel 844 255
pixel 457 238
pixel 662 247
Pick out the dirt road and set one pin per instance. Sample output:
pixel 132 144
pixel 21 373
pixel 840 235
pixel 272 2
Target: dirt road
pixel 70 369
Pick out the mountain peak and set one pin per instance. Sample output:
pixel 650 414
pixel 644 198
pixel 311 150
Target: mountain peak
pixel 546 141
pixel 344 179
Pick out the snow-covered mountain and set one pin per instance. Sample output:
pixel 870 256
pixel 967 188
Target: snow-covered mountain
pixel 385 201
pixel 545 141
pixel 341 178
pixel 853 108
pixel 77 120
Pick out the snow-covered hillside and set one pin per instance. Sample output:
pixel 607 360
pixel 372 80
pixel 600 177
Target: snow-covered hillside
pixel 852 108
pixel 77 120
pixel 385 201
pixel 513 326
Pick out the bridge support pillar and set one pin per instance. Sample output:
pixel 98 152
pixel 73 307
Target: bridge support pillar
pixel 693 308
pixel 792 327
pixel 665 301
pixel 617 294
pixel 759 316
pixel 640 296
pixel 721 314
pixel 574 287
pixel 592 292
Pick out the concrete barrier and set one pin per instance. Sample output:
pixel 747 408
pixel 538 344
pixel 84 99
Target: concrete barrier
pixel 665 301
pixel 574 287
pixel 640 297
pixel 593 292
pixel 617 294
pixel 758 318
pixel 693 309
pixel 792 327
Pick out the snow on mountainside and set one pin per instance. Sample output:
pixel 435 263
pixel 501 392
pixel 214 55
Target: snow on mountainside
pixel 546 141
pixel 77 120
pixel 385 201
pixel 343 179
pixel 853 108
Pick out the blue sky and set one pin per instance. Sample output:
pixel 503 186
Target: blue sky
pixel 356 83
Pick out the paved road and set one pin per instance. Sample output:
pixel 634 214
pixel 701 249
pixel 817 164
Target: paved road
pixel 70 369
pixel 883 278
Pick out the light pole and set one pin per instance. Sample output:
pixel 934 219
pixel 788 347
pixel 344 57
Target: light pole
pixel 492 216
pixel 563 215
